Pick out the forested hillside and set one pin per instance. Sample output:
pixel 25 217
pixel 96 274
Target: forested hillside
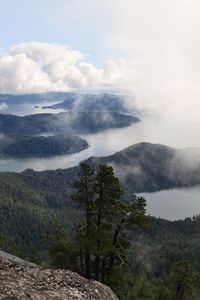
pixel 40 146
pixel 93 102
pixel 31 201
pixel 41 195
pixel 148 167
pixel 64 122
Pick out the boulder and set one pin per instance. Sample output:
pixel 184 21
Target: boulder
pixel 21 280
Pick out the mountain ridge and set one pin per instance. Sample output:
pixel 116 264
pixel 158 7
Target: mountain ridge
pixel 30 200
pixel 76 122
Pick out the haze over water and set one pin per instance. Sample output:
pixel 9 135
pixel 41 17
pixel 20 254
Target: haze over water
pixel 154 128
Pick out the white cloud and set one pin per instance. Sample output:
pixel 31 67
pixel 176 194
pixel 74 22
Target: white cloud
pixel 40 67
pixel 161 42
pixel 3 106
pixel 20 74
pixel 46 53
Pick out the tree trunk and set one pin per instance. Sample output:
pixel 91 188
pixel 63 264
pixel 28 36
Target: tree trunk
pixel 87 264
pixel 180 292
pixel 87 251
pixel 103 268
pixel 81 262
pixel 97 259
pixel 97 268
pixel 112 255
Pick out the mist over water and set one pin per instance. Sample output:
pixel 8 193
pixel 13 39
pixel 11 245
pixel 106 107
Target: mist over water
pixel 28 109
pixel 153 128
pixel 157 44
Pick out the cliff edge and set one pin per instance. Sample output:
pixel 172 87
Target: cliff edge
pixel 22 280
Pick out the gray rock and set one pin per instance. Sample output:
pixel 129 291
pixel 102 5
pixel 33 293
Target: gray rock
pixel 21 280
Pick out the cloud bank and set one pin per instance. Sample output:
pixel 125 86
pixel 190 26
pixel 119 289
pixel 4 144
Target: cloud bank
pixel 40 67
pixel 161 41
pixel 3 106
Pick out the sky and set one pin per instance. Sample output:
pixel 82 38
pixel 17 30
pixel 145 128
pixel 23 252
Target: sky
pixel 58 29
pixel 81 24
pixel 151 47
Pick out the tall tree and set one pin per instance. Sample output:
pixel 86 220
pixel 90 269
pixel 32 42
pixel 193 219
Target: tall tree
pixel 183 280
pixel 107 201
pixel 130 217
pixel 84 197
pixel 61 250
pixel 103 233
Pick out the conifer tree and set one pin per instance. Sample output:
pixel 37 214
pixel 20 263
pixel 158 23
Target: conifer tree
pixel 61 250
pixel 107 202
pixel 84 197
pixel 183 279
pixel 102 235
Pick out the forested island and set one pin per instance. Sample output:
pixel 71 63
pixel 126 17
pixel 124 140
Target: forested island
pixel 66 122
pixel 93 102
pixel 40 146
pixel 82 102
pixel 147 167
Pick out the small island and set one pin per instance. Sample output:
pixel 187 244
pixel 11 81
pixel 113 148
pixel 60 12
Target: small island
pixel 70 123
pixel 40 146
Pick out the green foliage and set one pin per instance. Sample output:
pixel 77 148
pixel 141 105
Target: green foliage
pixel 100 241
pixel 183 280
pixel 29 201
pixel 144 288
pixel 62 253
pixel 102 236
pixel 8 244
pixel 163 244
pixel 146 167
pixel 63 122
pixel 23 146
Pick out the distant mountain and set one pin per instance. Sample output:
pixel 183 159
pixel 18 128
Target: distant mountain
pixel 93 102
pixel 68 122
pixel 73 101
pixel 148 167
pixel 33 98
pixel 39 146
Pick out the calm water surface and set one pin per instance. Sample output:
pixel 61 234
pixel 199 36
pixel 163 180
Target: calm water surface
pixel 174 204
pixel 170 204
pixel 152 129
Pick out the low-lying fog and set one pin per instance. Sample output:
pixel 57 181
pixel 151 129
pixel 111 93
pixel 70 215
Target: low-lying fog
pixel 154 128
pixel 27 109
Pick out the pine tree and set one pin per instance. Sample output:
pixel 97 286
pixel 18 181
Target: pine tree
pixel 107 202
pixel 130 217
pixel 102 235
pixel 61 249
pixel 85 200
pixel 183 279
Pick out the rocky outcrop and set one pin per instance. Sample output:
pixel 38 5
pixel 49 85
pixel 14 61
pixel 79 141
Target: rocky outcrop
pixel 22 280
